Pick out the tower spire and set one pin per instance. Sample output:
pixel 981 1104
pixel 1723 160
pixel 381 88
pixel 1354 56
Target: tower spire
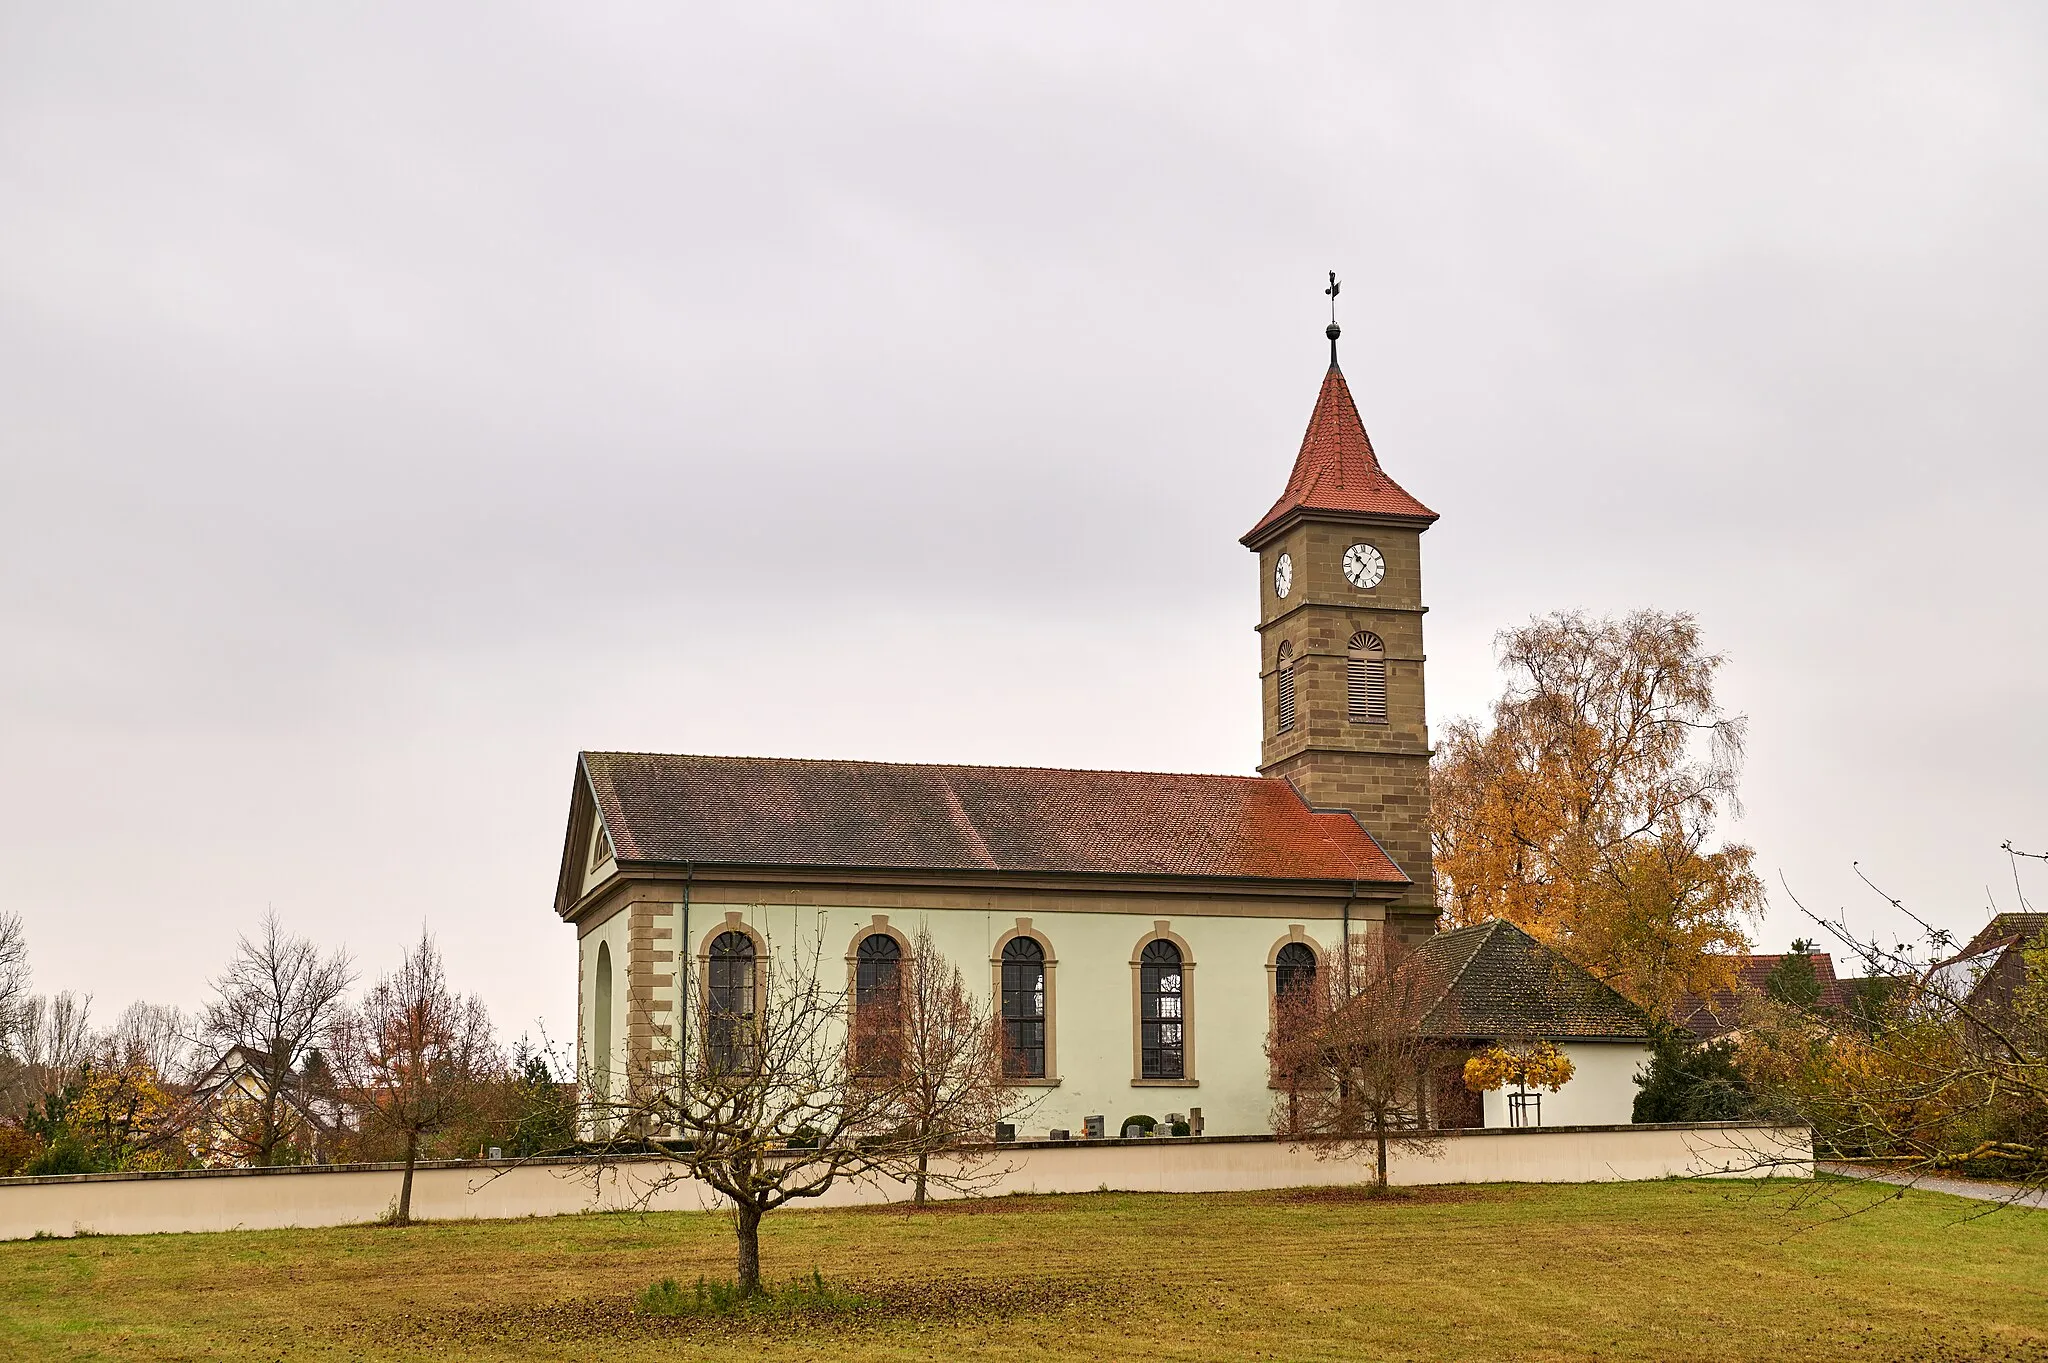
pixel 1333 331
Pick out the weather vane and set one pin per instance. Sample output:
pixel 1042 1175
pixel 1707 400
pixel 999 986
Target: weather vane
pixel 1333 331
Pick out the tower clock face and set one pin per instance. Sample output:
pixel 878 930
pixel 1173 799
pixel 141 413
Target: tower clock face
pixel 1283 576
pixel 1364 566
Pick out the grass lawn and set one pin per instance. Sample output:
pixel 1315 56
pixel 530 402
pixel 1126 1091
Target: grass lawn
pixel 1673 1270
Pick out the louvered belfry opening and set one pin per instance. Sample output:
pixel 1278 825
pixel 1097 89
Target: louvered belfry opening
pixel 1286 682
pixel 1365 678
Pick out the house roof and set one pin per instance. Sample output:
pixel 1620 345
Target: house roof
pixel 1498 981
pixel 1717 1014
pixel 789 812
pixel 2006 929
pixel 1336 470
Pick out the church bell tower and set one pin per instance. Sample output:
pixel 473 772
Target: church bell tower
pixel 1340 640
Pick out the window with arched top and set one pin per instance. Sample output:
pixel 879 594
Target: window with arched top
pixel 1294 971
pixel 877 1004
pixel 729 1002
pixel 1365 678
pixel 1286 686
pixel 1023 1009
pixel 601 1026
pixel 1162 1012
pixel 1296 1007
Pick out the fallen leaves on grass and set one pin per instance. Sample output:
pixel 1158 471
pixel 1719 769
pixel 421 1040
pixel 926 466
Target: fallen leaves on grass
pixel 872 1305
pixel 1393 1197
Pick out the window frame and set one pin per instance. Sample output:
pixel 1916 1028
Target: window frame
pixel 1024 929
pixel 1297 936
pixel 1162 931
pixel 1286 710
pixel 758 990
pixel 877 927
pixel 1365 678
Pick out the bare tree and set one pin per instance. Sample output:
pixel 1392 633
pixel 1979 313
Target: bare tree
pixel 936 1049
pixel 414 1060
pixel 1349 1057
pixel 767 1103
pixel 277 1001
pixel 13 976
pixel 53 1040
pixel 156 1034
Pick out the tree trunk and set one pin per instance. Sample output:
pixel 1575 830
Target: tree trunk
pixel 412 1157
pixel 1380 1133
pixel 747 1223
pixel 923 1158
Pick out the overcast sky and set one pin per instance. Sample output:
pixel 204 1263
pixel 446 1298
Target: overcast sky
pixel 394 401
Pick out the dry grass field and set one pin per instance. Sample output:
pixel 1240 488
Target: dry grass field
pixel 1673 1270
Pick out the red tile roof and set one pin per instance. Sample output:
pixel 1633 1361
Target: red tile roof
pixel 1715 1014
pixel 1337 469
pixel 770 811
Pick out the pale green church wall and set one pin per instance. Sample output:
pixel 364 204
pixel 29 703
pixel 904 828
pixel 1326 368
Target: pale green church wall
pixel 1093 996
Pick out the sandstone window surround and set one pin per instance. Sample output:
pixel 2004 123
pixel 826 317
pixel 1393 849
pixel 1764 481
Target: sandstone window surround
pixel 875 961
pixel 732 964
pixel 1023 974
pixel 1162 1010
pixel 1292 964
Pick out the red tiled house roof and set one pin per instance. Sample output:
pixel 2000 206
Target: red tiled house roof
pixel 1715 1014
pixel 788 812
pixel 1337 471
pixel 2006 929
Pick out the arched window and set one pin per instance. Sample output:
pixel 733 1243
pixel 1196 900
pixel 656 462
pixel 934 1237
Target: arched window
pixel 1024 1009
pixel 1365 678
pixel 1161 1013
pixel 877 1004
pixel 1294 971
pixel 1286 685
pixel 729 1005
pixel 601 1026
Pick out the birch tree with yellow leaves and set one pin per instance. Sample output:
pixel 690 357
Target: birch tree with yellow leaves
pixel 1584 811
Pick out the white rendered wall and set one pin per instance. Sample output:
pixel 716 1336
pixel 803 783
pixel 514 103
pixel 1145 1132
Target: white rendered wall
pixel 1602 1090
pixel 252 1199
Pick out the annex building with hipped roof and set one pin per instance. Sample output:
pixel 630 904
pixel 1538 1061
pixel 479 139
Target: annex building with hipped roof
pixel 1132 927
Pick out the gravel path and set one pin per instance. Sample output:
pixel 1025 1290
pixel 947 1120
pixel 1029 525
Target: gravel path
pixel 1974 1189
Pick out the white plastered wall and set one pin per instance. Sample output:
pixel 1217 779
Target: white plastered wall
pixel 1601 1092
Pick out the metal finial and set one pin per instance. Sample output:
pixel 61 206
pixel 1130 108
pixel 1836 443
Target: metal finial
pixel 1333 331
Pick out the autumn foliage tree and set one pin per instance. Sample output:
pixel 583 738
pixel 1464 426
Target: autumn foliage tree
pixel 1526 1064
pixel 415 1058
pixel 1948 1072
pixel 1584 811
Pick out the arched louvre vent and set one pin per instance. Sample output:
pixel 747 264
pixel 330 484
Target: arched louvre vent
pixel 1365 679
pixel 1286 688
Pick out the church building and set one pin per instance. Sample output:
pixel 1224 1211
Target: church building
pixel 1134 927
